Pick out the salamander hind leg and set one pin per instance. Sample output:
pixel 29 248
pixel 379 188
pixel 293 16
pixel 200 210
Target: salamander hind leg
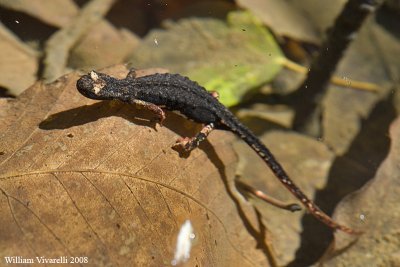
pixel 188 144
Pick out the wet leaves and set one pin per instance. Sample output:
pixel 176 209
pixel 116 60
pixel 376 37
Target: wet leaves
pixel 18 63
pixel 376 206
pixel 79 176
pixel 233 58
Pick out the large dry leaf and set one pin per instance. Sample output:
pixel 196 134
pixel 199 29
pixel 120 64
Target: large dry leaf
pixel 86 178
pixel 378 202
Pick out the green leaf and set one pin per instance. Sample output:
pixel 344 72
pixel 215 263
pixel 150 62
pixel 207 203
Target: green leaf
pixel 233 58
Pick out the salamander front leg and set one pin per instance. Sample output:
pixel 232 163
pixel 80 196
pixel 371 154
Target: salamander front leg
pixel 152 107
pixel 188 144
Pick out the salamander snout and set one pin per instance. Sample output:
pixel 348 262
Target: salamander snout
pixel 92 85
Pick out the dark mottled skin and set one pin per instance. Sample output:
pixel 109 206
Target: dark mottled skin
pixel 178 93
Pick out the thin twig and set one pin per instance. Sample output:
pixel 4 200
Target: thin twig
pixel 344 82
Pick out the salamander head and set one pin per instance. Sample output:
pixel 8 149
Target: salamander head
pixel 96 85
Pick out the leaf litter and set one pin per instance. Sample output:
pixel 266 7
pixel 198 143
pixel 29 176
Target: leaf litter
pixel 65 134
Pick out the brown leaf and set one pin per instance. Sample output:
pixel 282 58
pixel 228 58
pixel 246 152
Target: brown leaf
pixel 54 12
pixel 369 59
pixel 283 18
pixel 307 161
pixel 86 178
pixel 376 207
pixel 60 43
pixel 111 47
pixel 18 63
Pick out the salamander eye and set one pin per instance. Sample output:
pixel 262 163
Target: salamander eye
pixel 94 75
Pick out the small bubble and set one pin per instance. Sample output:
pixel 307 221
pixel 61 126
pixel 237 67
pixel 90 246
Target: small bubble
pixel 155 41
pixel 17 21
pixel 362 217
pixel 346 80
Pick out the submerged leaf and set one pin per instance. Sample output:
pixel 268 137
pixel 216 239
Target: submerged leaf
pixel 232 57
pixel 376 208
